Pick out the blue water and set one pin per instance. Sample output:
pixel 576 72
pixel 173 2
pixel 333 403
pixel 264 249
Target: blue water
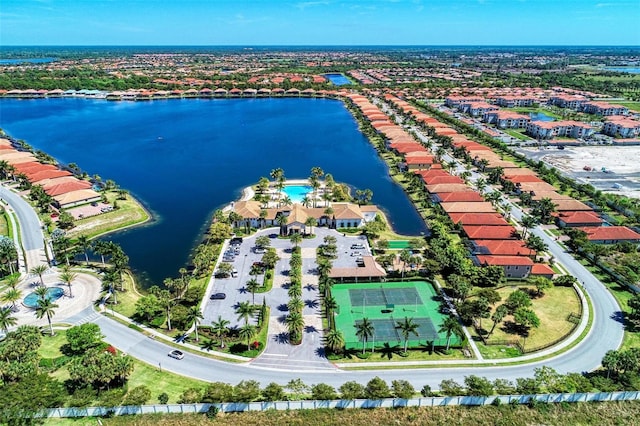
pixel 296 192
pixel 27 61
pixel 184 158
pixel 53 293
pixel 630 70
pixel 338 79
pixel 540 116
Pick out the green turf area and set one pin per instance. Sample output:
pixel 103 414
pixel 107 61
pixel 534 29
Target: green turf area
pixel 398 244
pixel 384 304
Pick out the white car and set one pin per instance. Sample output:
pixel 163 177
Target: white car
pixel 176 354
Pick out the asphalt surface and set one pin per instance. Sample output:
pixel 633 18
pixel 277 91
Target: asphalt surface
pixel 30 230
pixel 606 333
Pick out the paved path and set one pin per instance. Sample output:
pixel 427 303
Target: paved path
pixel 31 234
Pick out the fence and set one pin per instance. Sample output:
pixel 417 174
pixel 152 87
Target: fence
pixel 233 407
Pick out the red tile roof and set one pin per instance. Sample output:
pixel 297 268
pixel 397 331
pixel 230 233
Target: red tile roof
pixel 489 219
pixel 611 233
pixel 504 247
pixel 541 269
pixel 504 260
pixel 472 207
pixel 580 217
pixel 489 232
pixel 468 196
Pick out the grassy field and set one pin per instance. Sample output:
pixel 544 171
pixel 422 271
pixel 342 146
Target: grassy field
pixel 129 213
pixel 4 224
pixel 518 135
pixel 601 414
pixel 126 299
pixel 552 309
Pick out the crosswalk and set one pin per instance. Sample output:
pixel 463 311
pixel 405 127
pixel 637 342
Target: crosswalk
pixel 88 318
pixel 283 362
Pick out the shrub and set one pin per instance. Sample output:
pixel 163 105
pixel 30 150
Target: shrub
pixel 212 412
pixel 218 392
pixel 323 391
pixel 377 388
pixel 351 390
pixel 190 396
pixel 402 389
pixel 163 398
pixel 451 388
pixel 246 391
pixel 273 392
pixel 138 396
pixel 426 391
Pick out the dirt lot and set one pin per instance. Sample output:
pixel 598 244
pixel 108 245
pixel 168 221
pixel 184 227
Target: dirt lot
pixel 622 165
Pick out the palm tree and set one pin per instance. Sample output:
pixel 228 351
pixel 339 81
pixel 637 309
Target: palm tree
pixel 294 291
pixel 85 244
pixel 364 330
pixel 330 304
pixel 528 222
pixel 247 331
pixel 245 310
pixel 282 220
pixel 67 277
pixel 194 315
pixel 41 292
pixel 253 285
pixel 46 308
pixel 39 270
pixel 102 248
pixel 407 327
pixel 7 319
pixel 12 280
pixel 295 304
pixel 12 295
pixel 451 327
pixel 296 238
pixel 310 222
pixel 498 315
pixel 295 323
pixel 220 328
pixel 480 184
pixel 334 340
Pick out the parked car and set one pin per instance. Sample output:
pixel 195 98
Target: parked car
pixel 228 259
pixel 357 246
pixel 234 273
pixel 176 354
pixel 259 250
pixel 218 296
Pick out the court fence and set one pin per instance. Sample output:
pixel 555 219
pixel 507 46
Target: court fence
pixel 232 407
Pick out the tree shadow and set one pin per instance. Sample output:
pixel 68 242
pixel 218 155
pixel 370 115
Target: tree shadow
pixel 243 290
pixel 282 319
pixel 310 287
pixel 281 338
pixel 387 351
pixel 283 307
pixel 310 329
pixel 311 303
pixel 321 352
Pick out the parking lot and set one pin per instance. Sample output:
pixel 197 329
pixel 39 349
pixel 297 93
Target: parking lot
pixel 235 290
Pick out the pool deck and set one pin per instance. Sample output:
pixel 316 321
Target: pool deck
pixel 248 193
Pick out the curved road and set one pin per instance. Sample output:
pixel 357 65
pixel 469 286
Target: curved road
pixel 606 333
pixel 31 234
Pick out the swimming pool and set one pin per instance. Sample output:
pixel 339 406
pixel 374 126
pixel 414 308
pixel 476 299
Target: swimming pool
pixel 296 192
pixel 53 293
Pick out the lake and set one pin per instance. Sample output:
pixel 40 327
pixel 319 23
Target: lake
pixel 184 158
pixel 26 61
pixel 630 70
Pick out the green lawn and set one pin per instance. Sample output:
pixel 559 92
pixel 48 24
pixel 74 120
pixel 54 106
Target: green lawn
pixel 4 224
pixel 129 213
pixel 518 135
pixel 552 309
pixel 50 347
pixel 126 299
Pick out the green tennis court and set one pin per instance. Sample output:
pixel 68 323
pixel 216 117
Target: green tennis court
pixel 398 244
pixel 385 304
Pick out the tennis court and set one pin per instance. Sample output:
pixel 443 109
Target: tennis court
pixel 398 244
pixel 386 304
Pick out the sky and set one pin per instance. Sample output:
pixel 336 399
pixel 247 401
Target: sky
pixel 319 22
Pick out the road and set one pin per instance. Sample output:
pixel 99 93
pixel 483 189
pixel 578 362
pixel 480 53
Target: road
pixel 31 234
pixel 607 333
